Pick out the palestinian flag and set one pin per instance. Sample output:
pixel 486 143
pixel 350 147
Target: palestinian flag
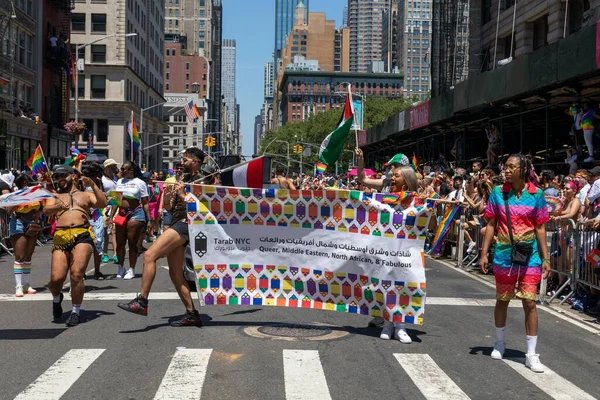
pixel 332 146
pixel 248 175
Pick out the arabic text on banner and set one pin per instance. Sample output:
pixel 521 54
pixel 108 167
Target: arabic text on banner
pixel 331 249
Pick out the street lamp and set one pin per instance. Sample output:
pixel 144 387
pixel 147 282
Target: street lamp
pixel 82 46
pixel 142 131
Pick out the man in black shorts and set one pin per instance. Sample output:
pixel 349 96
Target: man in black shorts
pixel 172 244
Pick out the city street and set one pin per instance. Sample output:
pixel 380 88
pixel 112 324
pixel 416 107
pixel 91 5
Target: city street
pixel 240 353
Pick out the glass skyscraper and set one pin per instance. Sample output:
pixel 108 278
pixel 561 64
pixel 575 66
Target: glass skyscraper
pixel 284 21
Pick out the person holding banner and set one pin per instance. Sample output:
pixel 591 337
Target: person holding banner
pixel 172 244
pixel 518 212
pixel 73 239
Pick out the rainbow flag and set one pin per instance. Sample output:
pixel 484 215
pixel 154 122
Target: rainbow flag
pixel 196 111
pixel 37 162
pixel 443 228
pixel 4 83
pixel 415 162
pixel 133 132
pixel 170 172
pixel 115 198
pixel 321 167
pixel 397 197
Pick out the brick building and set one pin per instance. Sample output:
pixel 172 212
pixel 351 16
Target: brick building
pixel 183 73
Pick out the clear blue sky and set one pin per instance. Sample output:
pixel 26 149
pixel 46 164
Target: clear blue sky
pixel 252 25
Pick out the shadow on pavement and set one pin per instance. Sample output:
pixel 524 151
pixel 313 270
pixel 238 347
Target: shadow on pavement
pixel 84 315
pixel 29 334
pixel 98 288
pixel 487 351
pixel 244 312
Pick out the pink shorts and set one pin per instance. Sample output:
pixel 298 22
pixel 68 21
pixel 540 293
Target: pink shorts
pixel 523 279
pixel 154 210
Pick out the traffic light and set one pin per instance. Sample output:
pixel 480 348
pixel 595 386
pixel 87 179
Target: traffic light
pixel 210 141
pixel 298 149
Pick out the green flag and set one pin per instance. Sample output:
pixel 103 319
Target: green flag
pixel 332 146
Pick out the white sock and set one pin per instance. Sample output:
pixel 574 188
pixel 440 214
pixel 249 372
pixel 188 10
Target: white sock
pixel 56 299
pixel 19 279
pixel 76 308
pixel 531 343
pixel 500 334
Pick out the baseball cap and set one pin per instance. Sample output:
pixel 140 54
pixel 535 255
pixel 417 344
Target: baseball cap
pixel 63 169
pixel 399 158
pixel 7 177
pixel 108 162
pixel 595 171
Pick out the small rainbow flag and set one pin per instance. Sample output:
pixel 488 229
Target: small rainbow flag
pixel 415 162
pixel 196 111
pixel 170 172
pixel 37 162
pixel 321 167
pixel 133 132
pixel 115 198
pixel 443 229
pixel 397 197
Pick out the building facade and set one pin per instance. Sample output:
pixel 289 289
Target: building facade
pixel 413 48
pixel 305 93
pixel 285 18
pixel 342 50
pixel 389 35
pixel 185 73
pixel 228 80
pixel 365 22
pixel 268 78
pixel 21 52
pixel 121 75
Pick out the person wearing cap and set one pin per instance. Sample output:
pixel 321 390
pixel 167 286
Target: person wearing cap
pixel 73 238
pixel 384 183
pixel 6 181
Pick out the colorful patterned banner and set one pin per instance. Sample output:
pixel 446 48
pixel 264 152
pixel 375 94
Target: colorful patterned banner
pixel 327 249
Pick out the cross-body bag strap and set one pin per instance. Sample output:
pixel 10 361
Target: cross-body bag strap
pixel 508 223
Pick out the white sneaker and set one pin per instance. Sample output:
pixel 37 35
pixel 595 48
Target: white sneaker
pixel 498 351
pixel 19 291
pixel 28 289
pixel 121 272
pixel 472 246
pixel 402 336
pixel 387 332
pixel 130 274
pixel 589 159
pixel 532 361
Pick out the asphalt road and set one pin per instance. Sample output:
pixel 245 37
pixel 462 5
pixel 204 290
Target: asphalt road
pixel 117 355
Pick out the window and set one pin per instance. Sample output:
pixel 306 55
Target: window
pixel 166 154
pixel 187 76
pixel 167 75
pixel 99 23
pixel 89 124
pixel 99 53
pixel 168 64
pixel 575 14
pixel 78 22
pixel 167 87
pixel 540 32
pixel 102 130
pixel 98 87
pixel 507 45
pixel 81 85
pixel 187 66
pixel 506 4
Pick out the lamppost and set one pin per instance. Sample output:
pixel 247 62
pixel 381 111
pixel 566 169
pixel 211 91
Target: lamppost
pixel 82 46
pixel 142 131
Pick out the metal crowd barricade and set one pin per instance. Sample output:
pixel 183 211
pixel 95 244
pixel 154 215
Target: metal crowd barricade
pixel 563 241
pixel 4 233
pixel 586 274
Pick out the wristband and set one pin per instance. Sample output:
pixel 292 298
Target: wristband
pixel 546 260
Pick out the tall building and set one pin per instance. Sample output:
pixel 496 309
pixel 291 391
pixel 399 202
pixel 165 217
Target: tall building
pixel 268 79
pixel 22 47
pixel 345 17
pixel 285 18
pixel 365 22
pixel 215 104
pixel 122 75
pixel 413 47
pixel 258 132
pixel 342 50
pixel 228 79
pixel 185 73
pixel 389 35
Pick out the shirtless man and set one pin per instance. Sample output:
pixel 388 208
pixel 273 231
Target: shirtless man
pixel 73 239
pixel 282 181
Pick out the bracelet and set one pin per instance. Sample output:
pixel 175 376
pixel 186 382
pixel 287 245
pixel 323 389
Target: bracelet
pixel 546 260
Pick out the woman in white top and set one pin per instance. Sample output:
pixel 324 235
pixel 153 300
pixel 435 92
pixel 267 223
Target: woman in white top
pixel 134 208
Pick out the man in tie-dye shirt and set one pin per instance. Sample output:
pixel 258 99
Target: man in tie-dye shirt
pixel 528 214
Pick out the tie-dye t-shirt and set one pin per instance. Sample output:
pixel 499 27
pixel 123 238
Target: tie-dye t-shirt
pixel 587 121
pixel 526 213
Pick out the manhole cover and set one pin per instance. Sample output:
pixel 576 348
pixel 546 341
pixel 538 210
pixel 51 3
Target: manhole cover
pixel 295 330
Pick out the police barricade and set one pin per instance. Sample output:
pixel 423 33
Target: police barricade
pixel 587 273
pixel 563 241
pixel 4 233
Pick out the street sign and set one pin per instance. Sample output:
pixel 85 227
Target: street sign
pixel 80 65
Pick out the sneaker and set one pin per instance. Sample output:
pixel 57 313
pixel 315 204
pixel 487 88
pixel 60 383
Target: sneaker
pixel 115 259
pixel 498 351
pixel 188 319
pixel 121 272
pixel 402 336
pixel 139 306
pixel 19 291
pixel 471 247
pixel 130 274
pixel 29 290
pixel 73 319
pixel 105 259
pixel 532 361
pixel 589 159
pixel 376 322
pixel 387 332
pixel 57 310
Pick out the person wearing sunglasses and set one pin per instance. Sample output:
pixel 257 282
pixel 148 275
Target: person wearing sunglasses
pixel 172 244
pixel 73 238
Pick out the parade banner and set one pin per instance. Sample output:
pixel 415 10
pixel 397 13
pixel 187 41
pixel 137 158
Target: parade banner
pixel 26 195
pixel 334 250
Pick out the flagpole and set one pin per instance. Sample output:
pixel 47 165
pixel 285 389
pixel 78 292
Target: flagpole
pixel 353 114
pixel 47 166
pixel 227 169
pixel 131 136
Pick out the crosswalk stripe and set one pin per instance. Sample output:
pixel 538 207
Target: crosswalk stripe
pixel 57 379
pixel 429 378
pixel 304 376
pixel 549 382
pixel 185 376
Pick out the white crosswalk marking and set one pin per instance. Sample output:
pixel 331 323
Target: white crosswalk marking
pixel 304 376
pixel 57 379
pixel 549 382
pixel 185 376
pixel 429 378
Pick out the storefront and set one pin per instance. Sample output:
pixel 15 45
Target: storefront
pixel 18 139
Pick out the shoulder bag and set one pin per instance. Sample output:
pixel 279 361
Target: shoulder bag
pixel 521 251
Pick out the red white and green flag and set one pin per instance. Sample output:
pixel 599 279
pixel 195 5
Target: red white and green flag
pixel 332 146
